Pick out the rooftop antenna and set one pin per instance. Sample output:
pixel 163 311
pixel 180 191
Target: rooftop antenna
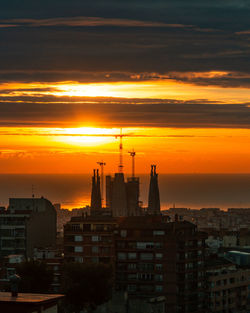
pixel 102 164
pixel 33 191
pixel 133 154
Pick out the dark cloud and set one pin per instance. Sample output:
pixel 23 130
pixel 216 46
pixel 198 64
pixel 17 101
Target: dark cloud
pixel 123 36
pixel 83 21
pixel 61 111
pixel 117 40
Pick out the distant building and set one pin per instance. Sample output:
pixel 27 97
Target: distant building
pixel 122 197
pixel 227 287
pixel 27 223
pixel 238 257
pixel 229 239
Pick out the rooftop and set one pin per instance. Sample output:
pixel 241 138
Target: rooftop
pixel 29 298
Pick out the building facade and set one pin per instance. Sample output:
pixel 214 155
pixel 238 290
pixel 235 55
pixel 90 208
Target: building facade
pixel 27 223
pixel 90 239
pixel 156 258
pixel 227 288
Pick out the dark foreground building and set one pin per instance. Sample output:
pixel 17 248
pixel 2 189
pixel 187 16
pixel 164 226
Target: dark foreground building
pixel 152 257
pixel 27 223
pixel 90 239
pixel 157 258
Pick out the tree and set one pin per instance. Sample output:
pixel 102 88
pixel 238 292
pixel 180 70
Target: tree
pixel 35 277
pixel 86 285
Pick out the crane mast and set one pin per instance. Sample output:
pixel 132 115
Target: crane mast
pixel 133 154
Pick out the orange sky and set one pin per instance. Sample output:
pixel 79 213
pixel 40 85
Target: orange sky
pixel 176 151
pixel 38 149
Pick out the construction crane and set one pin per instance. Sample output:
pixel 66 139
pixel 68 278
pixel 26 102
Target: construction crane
pixel 133 154
pixel 120 166
pixel 102 164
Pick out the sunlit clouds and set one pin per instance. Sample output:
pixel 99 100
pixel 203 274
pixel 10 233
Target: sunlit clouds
pixel 190 88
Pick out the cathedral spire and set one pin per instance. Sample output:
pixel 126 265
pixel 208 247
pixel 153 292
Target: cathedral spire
pixel 154 195
pixel 96 202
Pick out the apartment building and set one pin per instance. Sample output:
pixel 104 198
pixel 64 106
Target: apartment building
pixel 27 223
pixel 227 287
pixel 156 258
pixel 90 239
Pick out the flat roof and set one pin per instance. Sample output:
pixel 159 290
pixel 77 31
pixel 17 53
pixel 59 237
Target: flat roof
pixel 29 298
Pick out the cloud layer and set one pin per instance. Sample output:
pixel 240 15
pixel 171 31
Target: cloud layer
pixel 204 43
pixel 53 111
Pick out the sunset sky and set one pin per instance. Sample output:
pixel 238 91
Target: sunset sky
pixel 174 75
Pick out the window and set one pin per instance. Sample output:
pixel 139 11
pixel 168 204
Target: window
pixel 86 227
pixel 158 255
pixel 132 244
pixel 146 288
pixel 99 227
pixel 132 276
pixel 122 266
pixel 95 249
pixel 147 256
pixel 144 245
pixel 120 244
pixel 131 287
pixel 159 277
pixel 106 238
pixel 132 266
pixel 146 277
pixel 79 259
pixel 75 227
pixel 232 280
pixel 131 256
pixel 121 256
pixel 158 232
pixel 78 238
pixel 106 250
pixel 158 245
pixel 189 265
pixel 146 266
pixel 95 238
pixel 158 288
pixel 95 260
pixel 123 233
pixel 78 249
pixel 158 266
